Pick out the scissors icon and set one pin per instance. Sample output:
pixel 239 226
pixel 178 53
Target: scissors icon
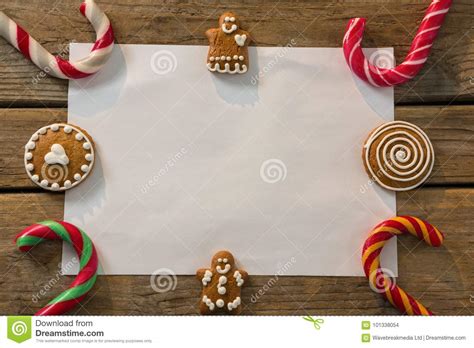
pixel 316 322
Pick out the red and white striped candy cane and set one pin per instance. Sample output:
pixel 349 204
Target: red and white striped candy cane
pixel 55 65
pixel 414 61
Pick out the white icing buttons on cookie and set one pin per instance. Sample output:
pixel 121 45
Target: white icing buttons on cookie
pixel 220 286
pixel 49 165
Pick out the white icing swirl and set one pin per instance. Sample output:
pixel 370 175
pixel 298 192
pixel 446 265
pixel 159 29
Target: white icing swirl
pixel 403 153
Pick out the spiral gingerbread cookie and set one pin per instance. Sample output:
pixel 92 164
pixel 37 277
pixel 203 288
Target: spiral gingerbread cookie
pixel 398 156
pixel 59 156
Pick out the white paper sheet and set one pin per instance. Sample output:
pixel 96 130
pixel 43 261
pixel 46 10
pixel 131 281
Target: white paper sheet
pixel 183 153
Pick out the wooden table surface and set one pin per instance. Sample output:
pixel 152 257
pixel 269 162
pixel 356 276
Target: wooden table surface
pixel 440 100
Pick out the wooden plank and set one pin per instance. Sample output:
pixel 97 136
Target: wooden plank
pixel 448 74
pixel 442 278
pixel 451 130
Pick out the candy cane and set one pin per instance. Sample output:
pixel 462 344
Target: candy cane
pixel 88 263
pixel 55 65
pixel 371 259
pixel 414 61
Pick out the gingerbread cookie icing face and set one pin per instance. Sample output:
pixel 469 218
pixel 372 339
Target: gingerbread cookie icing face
pixel 59 156
pixel 228 46
pixel 221 285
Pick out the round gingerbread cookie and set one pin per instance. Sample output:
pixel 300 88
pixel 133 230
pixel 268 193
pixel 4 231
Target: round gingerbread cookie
pixel 59 156
pixel 398 155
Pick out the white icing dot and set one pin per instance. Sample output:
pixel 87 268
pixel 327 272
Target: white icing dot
pixel 221 290
pixel 77 177
pixel 219 260
pixel 35 137
pixel 44 183
pixel 220 303
pixel 67 129
pixel 218 58
pixel 400 155
pixel 55 127
pixel 85 168
pixel 236 57
pixel 28 156
pixel 212 59
pixel 79 136
pixel 222 57
pixel 225 260
pixel 35 178
pixel 43 131
pixel 89 157
pixel 241 58
pixel 55 186
pixel 31 145
pixel 86 146
pixel 67 184
pixel 229 58
pixel 30 167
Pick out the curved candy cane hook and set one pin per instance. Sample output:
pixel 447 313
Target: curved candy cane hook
pixel 377 239
pixel 88 262
pixel 55 65
pixel 414 61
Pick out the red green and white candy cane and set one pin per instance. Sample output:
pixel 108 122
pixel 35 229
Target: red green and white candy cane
pixel 88 262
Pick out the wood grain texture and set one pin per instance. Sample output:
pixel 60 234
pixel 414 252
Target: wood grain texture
pixel 451 130
pixel 448 75
pixel 443 278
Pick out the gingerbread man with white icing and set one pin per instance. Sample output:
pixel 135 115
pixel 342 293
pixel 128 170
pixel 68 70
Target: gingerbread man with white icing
pixel 221 285
pixel 228 46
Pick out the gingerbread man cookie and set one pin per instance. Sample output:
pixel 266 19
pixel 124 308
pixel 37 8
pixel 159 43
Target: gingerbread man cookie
pixel 228 46
pixel 398 155
pixel 59 156
pixel 221 285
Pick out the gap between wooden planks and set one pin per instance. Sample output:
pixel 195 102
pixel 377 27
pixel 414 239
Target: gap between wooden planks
pixel 451 130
